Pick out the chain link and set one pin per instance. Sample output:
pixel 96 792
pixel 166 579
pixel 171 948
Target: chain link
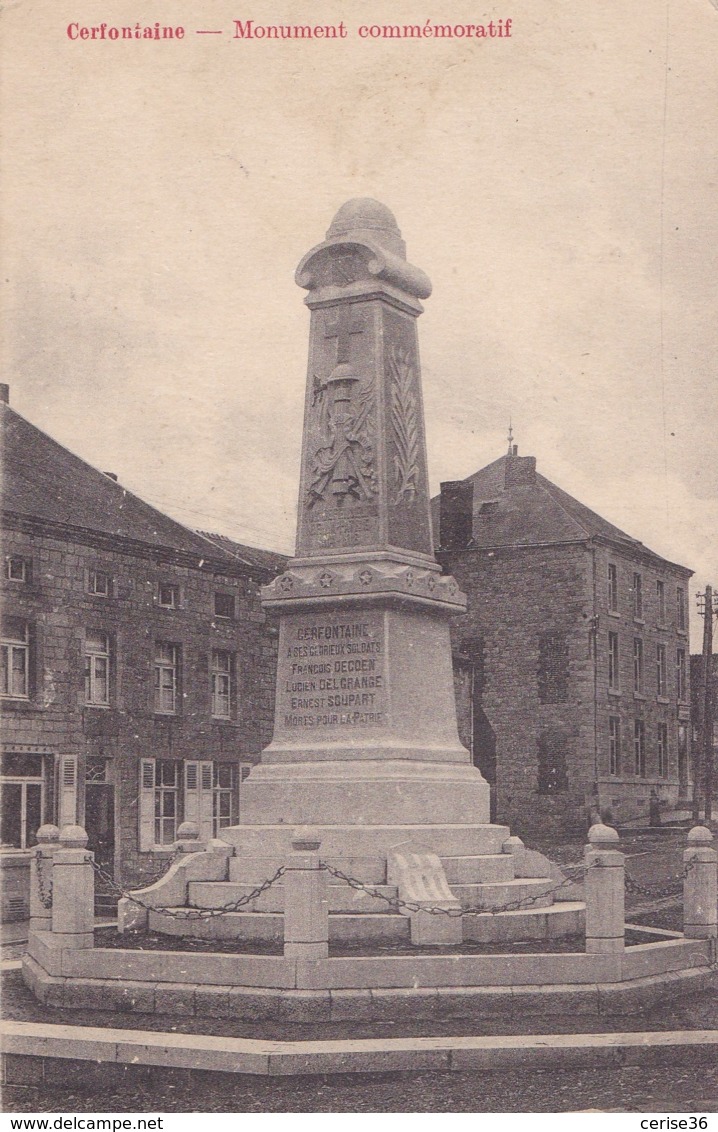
pixel 398 904
pixel 190 913
pixel 44 891
pixel 657 891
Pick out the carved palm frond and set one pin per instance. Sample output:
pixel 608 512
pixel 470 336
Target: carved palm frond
pixel 405 421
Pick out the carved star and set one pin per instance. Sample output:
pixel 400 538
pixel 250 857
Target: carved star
pixel 431 582
pixel 365 577
pixel 286 583
pixel 409 577
pixel 325 580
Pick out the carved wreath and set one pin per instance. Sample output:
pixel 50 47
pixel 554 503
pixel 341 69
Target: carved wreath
pixel 405 421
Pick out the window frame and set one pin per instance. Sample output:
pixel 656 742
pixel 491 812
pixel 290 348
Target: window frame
pixel 612 588
pixel 681 675
pixel 638 666
pixel 26 572
pixel 9 647
pixel 230 597
pixel 661 601
pixel 224 676
pixel 614 745
pixel 222 794
pixel 93 655
pixel 662 750
pixel 614 662
pixel 680 609
pixel 175 603
pixel 163 791
pixel 661 670
pixel 639 748
pixel 637 595
pixel 164 666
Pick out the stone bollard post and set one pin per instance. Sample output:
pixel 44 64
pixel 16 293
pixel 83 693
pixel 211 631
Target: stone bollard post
pixel 188 840
pixel 73 891
pixel 700 885
pixel 48 840
pixel 306 903
pixel 605 891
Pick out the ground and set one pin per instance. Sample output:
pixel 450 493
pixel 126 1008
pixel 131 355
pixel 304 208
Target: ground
pixel 654 871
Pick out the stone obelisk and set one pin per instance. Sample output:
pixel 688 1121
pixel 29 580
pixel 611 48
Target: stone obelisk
pixel 365 724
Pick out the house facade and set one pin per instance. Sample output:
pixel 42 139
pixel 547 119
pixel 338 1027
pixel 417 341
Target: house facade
pixel 137 665
pixel 572 663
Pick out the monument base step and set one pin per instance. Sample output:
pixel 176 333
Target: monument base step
pixel 364 927
pixel 342 898
pixel 355 841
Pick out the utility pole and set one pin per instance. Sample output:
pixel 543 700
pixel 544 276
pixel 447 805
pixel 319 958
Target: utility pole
pixel 707 608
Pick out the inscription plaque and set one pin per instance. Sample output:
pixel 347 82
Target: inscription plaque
pixel 331 672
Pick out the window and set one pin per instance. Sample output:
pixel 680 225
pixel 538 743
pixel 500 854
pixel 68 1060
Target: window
pixel 22 806
pixel 612 587
pixel 166 791
pixel 662 750
pixel 637 596
pixel 17 569
pixel 98 583
pixel 681 674
pixel 15 659
pixel 224 796
pixel 224 605
pixel 680 608
pixel 613 672
pixel 168 595
pixel 166 677
pixel 97 668
pixel 614 745
pixel 553 668
pixel 637 665
pixel 661 601
pixel 221 683
pixel 639 747
pixel 661 670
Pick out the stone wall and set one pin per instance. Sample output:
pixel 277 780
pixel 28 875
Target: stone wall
pixel 534 644
pixel 56 719
pixel 529 626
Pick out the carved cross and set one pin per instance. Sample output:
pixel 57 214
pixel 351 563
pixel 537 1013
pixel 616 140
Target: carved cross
pixel 342 327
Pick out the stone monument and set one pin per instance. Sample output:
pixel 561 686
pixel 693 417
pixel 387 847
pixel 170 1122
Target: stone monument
pixel 365 737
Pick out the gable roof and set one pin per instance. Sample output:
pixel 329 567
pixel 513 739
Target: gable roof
pixel 534 513
pixel 44 482
pixel 268 560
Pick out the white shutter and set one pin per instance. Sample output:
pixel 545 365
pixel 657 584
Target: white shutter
pixel 146 807
pixel 67 791
pixel 206 801
pixel 191 791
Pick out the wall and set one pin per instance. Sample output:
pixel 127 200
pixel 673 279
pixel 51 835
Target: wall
pixel 57 720
pixel 517 596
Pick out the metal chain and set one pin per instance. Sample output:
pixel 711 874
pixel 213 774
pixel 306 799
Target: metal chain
pixel 655 891
pixel 397 903
pixel 44 891
pixel 191 913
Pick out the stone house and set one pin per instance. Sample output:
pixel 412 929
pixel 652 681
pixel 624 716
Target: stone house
pixel 137 665
pixel 572 662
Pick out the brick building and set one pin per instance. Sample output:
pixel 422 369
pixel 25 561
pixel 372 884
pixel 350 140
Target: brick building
pixel 137 666
pixel 571 664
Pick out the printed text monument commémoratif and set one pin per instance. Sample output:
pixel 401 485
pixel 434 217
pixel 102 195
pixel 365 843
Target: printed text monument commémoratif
pixel 248 29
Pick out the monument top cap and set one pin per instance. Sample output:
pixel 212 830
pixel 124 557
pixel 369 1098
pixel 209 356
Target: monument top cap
pixel 366 216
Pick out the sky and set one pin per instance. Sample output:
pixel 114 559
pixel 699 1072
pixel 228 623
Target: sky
pixel 558 186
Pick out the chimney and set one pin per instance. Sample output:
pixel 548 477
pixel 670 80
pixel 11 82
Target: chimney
pixel 519 471
pixel 456 515
pixel 5 393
